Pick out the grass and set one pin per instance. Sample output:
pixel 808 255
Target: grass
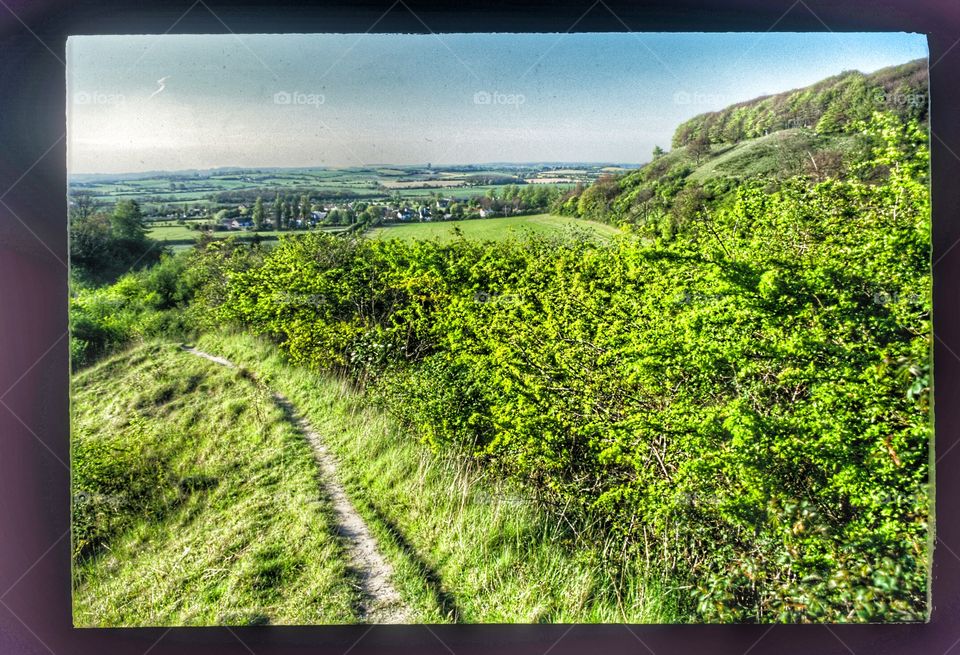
pixel 761 156
pixel 464 548
pixel 196 501
pixel 492 228
pixel 183 233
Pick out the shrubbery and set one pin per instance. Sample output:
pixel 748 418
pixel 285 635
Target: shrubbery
pixel 742 404
pixel 137 306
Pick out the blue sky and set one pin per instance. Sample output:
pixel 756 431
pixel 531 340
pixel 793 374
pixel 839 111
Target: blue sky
pixel 171 102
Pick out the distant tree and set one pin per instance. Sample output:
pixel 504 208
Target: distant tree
pixel 658 152
pixel 105 246
pixel 90 245
pixel 304 208
pixel 126 222
pixel 277 212
pixel 258 214
pixel 82 205
pixel 699 146
pixel 832 120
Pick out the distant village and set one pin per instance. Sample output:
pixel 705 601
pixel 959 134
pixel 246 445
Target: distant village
pixel 295 215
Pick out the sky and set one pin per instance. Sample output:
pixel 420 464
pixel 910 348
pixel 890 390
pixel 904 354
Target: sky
pixel 174 102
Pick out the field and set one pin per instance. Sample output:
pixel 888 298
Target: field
pixel 184 233
pixel 492 228
pixel 181 237
pixel 163 192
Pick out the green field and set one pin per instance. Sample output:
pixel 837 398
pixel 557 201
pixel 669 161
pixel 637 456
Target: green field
pixel 492 228
pixel 181 232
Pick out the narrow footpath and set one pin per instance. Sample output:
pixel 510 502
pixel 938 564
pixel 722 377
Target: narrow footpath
pixel 381 602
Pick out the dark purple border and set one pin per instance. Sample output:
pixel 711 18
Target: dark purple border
pixel 34 494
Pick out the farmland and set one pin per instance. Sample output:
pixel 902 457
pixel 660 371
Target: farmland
pixel 197 193
pixel 492 228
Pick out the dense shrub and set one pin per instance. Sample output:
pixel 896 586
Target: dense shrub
pixel 136 306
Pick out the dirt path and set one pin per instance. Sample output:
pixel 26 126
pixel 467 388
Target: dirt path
pixel 381 602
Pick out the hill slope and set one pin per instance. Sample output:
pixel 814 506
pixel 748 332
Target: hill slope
pixel 816 133
pixel 829 106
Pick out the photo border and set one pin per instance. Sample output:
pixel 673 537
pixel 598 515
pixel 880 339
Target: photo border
pixel 35 589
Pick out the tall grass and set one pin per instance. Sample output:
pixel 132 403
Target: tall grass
pixel 465 548
pixel 196 502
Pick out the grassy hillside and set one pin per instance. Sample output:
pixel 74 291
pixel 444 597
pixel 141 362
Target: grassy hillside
pixel 465 546
pixel 492 228
pixel 771 156
pixel 825 131
pixel 196 502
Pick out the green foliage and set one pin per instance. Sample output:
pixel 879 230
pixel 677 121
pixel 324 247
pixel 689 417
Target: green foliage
pixel 833 105
pixel 103 247
pixel 140 305
pixel 742 400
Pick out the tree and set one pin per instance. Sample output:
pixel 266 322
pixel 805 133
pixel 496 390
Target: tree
pixel 304 208
pixel 258 214
pixel 277 212
pixel 658 152
pixel 82 205
pixel 126 222
pixel 699 147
